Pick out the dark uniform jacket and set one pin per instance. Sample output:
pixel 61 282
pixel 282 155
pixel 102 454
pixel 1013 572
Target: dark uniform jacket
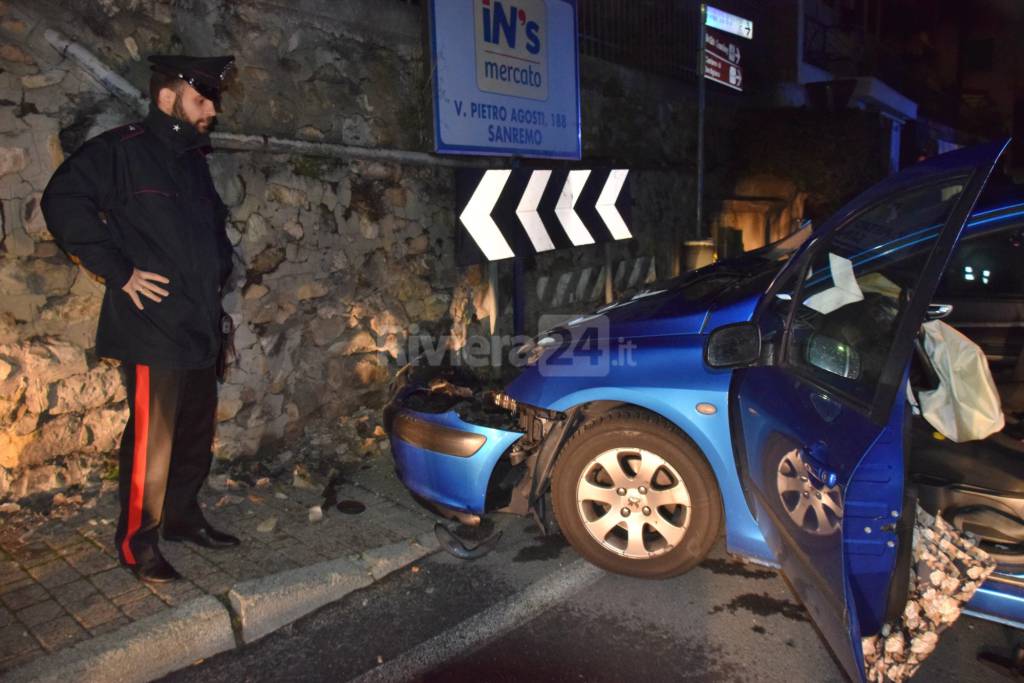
pixel 141 196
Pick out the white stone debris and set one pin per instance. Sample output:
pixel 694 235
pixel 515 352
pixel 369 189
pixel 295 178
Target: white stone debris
pixel 948 568
pixel 316 514
pixel 267 525
pixel 302 480
pixel 218 482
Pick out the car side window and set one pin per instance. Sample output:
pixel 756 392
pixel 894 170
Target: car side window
pixel 987 266
pixel 856 285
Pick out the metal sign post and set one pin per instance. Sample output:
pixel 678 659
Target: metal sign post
pixel 518 286
pixel 717 60
pixel 700 121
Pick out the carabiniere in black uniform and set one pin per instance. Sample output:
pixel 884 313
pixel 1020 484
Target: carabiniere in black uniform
pixel 141 197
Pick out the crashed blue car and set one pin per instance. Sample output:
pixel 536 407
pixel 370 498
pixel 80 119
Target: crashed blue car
pixel 766 396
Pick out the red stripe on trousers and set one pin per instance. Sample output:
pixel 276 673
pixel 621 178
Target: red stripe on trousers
pixel 138 485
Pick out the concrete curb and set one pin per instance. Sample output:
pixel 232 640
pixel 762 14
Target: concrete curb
pixel 382 561
pixel 172 640
pixel 264 605
pixel 147 649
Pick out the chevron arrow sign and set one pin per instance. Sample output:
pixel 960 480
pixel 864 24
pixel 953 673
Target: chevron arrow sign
pixel 519 212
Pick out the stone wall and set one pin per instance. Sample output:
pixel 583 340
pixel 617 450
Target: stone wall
pixel 338 260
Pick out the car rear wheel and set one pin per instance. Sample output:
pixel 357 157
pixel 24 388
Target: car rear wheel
pixel 635 497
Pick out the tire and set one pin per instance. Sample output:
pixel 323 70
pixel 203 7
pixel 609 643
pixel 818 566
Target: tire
pixel 618 451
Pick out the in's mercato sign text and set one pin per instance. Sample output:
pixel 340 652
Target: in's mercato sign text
pixel 507 78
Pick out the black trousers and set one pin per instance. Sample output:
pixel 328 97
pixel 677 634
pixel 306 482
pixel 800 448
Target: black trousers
pixel 165 455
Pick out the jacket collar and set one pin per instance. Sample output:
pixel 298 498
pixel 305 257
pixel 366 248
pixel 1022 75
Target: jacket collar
pixel 178 135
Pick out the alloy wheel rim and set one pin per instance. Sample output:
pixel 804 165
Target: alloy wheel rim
pixel 812 505
pixel 633 503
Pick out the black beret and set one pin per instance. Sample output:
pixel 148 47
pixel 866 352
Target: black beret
pixel 205 74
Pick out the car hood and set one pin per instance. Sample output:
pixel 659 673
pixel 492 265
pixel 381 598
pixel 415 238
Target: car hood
pixel 680 306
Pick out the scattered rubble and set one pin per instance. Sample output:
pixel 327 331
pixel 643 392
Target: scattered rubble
pixel 301 479
pixel 316 514
pixel 267 525
pixel 62 499
pixel 948 569
pixel 218 482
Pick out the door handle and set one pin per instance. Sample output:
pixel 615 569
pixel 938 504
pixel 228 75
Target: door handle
pixel 826 407
pixel 938 311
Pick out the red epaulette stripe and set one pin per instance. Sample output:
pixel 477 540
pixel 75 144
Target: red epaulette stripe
pixel 138 481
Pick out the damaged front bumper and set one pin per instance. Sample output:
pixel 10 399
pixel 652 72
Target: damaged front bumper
pixel 446 460
pixel 460 450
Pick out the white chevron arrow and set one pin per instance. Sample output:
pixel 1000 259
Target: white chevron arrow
pixel 477 216
pixel 606 204
pixel 527 211
pixel 565 209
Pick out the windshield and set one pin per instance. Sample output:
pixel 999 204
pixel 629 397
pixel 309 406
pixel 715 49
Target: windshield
pixel 782 248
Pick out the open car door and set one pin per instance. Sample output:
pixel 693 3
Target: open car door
pixel 819 425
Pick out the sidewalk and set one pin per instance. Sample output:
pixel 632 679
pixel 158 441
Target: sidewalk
pixel 62 591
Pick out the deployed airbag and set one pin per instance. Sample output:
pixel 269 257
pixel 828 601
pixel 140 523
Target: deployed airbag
pixel 844 289
pixel 966 405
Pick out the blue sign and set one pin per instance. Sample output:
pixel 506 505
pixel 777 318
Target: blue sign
pixel 506 77
pixel 730 23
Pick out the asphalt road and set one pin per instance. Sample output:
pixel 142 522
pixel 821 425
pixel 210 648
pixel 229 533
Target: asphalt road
pixel 533 611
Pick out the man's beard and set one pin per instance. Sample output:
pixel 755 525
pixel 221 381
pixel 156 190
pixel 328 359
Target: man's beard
pixel 201 124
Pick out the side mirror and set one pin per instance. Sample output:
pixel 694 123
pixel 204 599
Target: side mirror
pixel 832 355
pixel 733 346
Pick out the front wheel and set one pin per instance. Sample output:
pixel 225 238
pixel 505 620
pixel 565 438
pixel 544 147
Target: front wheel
pixel 634 496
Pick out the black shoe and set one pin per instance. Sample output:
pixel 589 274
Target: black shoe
pixel 157 570
pixel 206 536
